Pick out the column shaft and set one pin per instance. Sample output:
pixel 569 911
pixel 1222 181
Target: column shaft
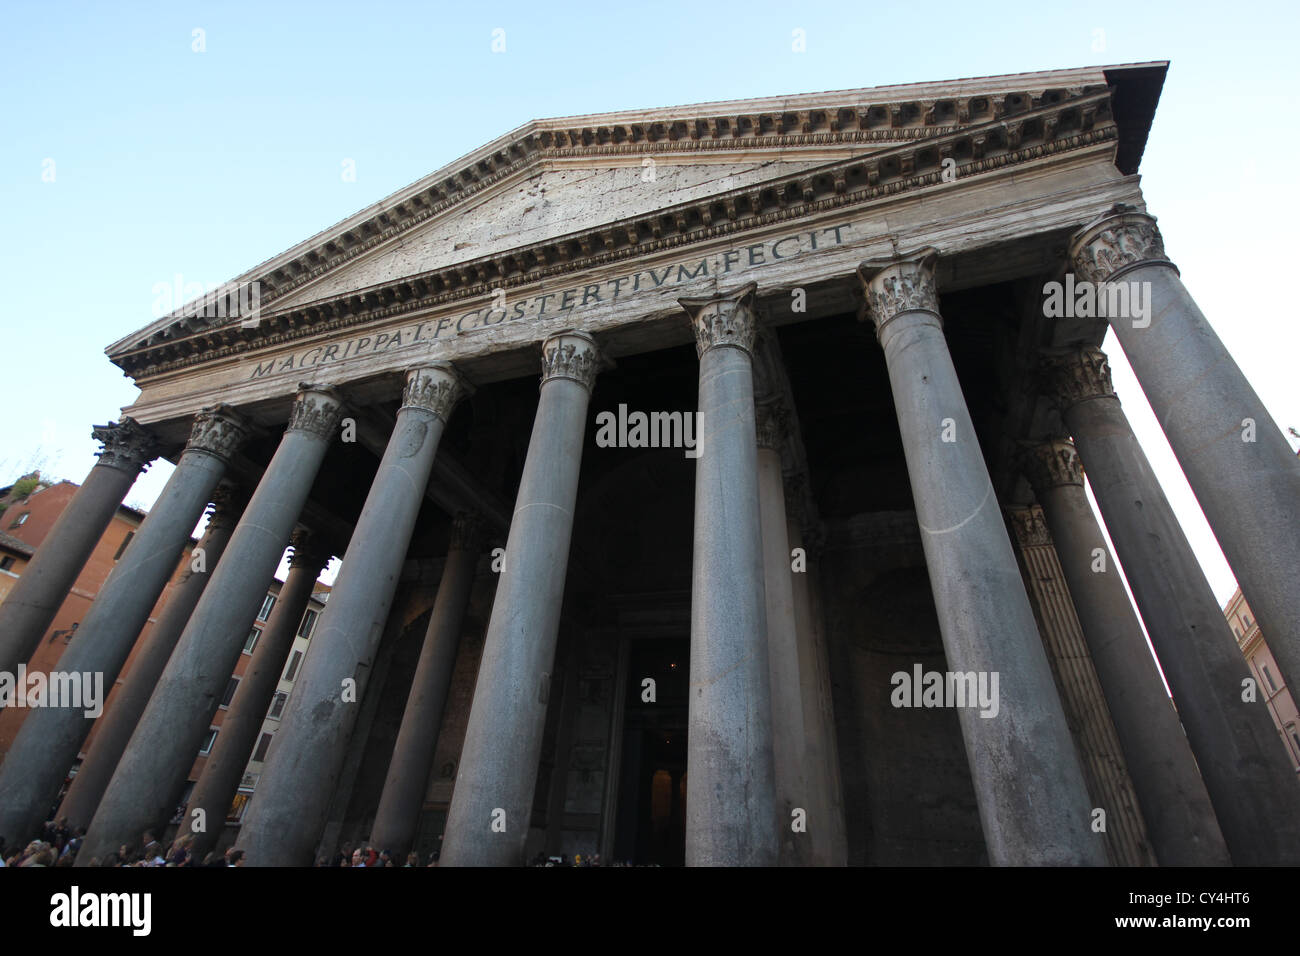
pixel 149 777
pixel 731 812
pixel 36 596
pixel 488 821
pixel 821 754
pixel 1236 459
pixel 1246 773
pixel 126 704
pixel 224 768
pixel 408 770
pixel 786 675
pixel 50 738
pixel 285 818
pixel 1033 803
pixel 1180 820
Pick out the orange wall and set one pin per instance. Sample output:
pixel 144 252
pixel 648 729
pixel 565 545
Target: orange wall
pixel 45 507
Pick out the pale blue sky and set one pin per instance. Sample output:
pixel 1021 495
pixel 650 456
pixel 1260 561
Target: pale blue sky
pixel 168 160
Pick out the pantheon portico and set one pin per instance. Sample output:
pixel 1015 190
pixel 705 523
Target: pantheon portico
pixel 865 615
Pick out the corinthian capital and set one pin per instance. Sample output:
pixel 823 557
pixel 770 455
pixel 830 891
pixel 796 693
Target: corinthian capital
pixel 1051 464
pixel 1030 526
pixel 127 446
pixel 1114 242
pixel 466 531
pixel 228 501
pixel 1075 376
pixel 310 551
pixel 218 430
pixel 724 320
pixel 316 410
pixel 902 284
pixel 436 388
pixel 572 355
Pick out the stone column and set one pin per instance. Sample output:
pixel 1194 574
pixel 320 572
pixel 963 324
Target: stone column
pixel 786 677
pixel 50 738
pixel 408 770
pixel 1246 774
pixel 1033 804
pixel 242 724
pixel 126 704
pixel 284 819
pixel 821 753
pixel 143 791
pixel 487 823
pixel 1180 821
pixel 731 812
pixel 50 575
pixel 1245 475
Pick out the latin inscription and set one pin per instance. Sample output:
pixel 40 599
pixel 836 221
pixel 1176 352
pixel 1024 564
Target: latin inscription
pixel 495 314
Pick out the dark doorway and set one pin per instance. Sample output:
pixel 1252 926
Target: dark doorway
pixel 651 819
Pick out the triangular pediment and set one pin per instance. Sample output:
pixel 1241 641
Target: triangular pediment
pixel 539 205
pixel 555 188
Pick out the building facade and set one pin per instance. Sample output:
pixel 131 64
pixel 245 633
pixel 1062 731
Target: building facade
pixel 1268 680
pixel 32 510
pixel 784 558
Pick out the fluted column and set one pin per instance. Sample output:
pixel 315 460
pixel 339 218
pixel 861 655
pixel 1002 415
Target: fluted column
pixel 48 743
pixel 36 596
pixel 408 770
pixel 1180 821
pixel 125 705
pixel 143 791
pixel 224 768
pixel 1236 459
pixel 1246 774
pixel 487 823
pixel 285 817
pixel 1033 804
pixel 731 812
pixel 786 677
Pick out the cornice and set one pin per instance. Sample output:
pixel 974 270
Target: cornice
pixel 1074 119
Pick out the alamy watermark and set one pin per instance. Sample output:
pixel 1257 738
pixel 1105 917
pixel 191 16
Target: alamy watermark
pixel 946 689
pixel 76 689
pixel 1107 300
pixel 223 300
pixel 624 429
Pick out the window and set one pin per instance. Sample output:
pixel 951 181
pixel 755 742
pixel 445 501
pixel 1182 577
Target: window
pixel 22 518
pixel 6 562
pixel 122 547
pixel 238 806
pixel 1295 736
pixel 251 641
pixel 1268 676
pixel 262 744
pixel 277 705
pixel 1237 631
pixel 294 661
pixel 209 739
pixel 269 603
pixel 230 692
pixel 308 622
pixel 1245 619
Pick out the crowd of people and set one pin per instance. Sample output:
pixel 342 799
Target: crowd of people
pixel 363 855
pixel 59 844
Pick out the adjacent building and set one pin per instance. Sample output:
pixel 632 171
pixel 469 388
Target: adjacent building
pixel 1272 689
